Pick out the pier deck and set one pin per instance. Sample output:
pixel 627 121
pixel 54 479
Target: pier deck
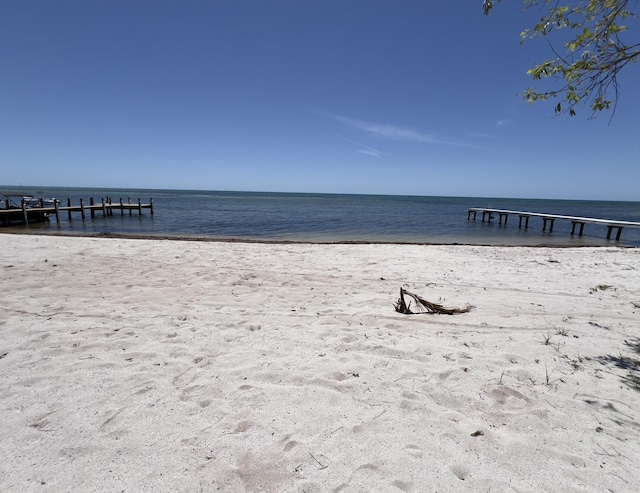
pixel 27 214
pixel 549 219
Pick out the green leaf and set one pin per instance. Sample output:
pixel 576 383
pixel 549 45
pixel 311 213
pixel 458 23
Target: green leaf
pixel 592 50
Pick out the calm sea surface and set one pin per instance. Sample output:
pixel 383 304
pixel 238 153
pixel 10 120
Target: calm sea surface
pixel 333 218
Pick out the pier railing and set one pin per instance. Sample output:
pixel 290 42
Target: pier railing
pixel 28 212
pixel 549 219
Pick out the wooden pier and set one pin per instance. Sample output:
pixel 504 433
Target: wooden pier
pixel 29 213
pixel 549 219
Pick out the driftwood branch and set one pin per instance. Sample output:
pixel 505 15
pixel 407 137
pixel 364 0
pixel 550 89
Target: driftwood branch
pixel 424 306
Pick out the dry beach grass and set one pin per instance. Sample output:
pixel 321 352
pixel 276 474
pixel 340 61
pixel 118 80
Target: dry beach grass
pixel 157 365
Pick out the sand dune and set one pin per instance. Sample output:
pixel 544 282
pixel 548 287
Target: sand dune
pixel 156 365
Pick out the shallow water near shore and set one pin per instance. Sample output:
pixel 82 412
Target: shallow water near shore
pixel 263 216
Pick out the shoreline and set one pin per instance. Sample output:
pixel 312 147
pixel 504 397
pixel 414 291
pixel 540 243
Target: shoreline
pixel 322 218
pixel 239 366
pixel 220 239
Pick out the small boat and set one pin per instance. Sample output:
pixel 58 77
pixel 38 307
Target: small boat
pixel 13 200
pixel 32 201
pixel 12 212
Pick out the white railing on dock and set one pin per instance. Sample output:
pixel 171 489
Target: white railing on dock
pixel 549 219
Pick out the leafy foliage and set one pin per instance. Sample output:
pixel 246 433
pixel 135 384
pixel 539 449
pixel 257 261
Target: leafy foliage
pixel 593 56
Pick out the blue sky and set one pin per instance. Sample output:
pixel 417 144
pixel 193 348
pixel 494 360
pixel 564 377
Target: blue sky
pixel 349 96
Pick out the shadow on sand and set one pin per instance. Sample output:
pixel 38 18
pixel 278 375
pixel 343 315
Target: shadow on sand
pixel 630 364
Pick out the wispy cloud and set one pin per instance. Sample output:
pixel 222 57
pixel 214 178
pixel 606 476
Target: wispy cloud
pixel 393 132
pixel 361 148
pixel 369 152
pixel 502 123
pixel 386 131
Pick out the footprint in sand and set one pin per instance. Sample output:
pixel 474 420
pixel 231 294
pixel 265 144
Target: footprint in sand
pixel 442 376
pixel 410 395
pixel 462 473
pixel 364 475
pixel 402 485
pixel 204 403
pixel 503 394
pixel 187 393
pixel 289 445
pixel 242 426
pixel 414 451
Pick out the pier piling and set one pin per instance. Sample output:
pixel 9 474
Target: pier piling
pixel 550 220
pixel 573 227
pixel 610 229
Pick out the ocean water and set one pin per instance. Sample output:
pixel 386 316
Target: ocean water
pixel 332 218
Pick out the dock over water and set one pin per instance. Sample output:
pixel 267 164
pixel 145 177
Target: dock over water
pixel 577 222
pixel 40 211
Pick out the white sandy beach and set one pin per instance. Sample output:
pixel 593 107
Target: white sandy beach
pixel 169 366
